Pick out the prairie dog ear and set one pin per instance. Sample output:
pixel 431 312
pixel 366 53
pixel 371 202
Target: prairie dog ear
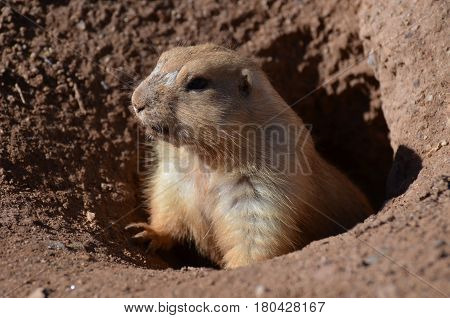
pixel 245 82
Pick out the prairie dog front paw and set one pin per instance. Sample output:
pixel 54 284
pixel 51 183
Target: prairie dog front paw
pixel 157 241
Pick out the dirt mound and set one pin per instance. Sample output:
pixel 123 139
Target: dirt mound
pixel 370 77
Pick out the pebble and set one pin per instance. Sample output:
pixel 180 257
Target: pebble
pixel 106 186
pixel 39 293
pixel 81 25
pixel 370 260
pixel 90 216
pixel 104 85
pixel 371 60
pixel 55 245
pixel 260 290
pixel 47 60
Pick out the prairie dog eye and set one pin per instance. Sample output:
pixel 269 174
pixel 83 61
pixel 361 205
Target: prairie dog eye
pixel 197 83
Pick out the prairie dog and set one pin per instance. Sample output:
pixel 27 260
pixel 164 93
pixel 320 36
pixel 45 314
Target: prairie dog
pixel 220 129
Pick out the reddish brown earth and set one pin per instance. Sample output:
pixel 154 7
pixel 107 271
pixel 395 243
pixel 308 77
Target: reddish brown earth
pixel 370 76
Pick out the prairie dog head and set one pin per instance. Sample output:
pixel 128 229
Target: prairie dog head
pixel 197 92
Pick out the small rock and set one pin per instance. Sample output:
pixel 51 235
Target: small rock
pixel 39 293
pixel 429 98
pixel 104 85
pixel 370 260
pixel 106 186
pixel 55 245
pixel 47 60
pixel 260 290
pixel 439 146
pixel 371 59
pixel 90 216
pixel 81 25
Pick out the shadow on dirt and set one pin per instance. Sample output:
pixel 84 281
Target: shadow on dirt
pixel 405 169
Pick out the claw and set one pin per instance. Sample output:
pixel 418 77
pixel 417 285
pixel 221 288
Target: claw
pixel 147 234
pixel 138 225
pixel 143 235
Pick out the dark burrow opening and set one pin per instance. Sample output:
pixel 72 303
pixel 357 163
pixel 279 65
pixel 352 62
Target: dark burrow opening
pixel 343 110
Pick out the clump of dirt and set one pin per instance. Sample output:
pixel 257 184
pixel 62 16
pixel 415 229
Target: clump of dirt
pixel 70 149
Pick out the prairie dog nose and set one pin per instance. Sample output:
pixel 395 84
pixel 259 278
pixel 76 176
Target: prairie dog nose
pixel 138 99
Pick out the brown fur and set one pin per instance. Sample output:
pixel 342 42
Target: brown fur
pixel 219 188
